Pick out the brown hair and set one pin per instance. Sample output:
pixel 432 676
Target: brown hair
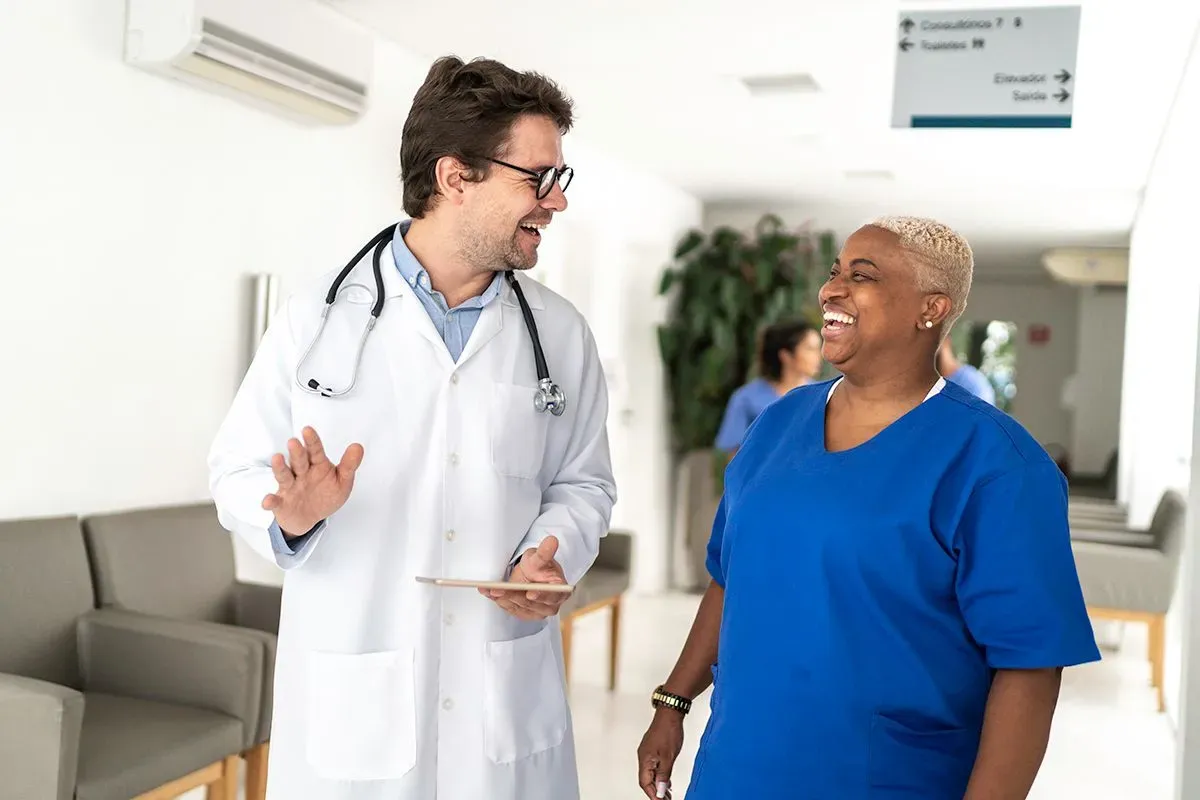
pixel 467 110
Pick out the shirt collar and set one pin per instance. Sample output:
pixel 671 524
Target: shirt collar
pixel 417 276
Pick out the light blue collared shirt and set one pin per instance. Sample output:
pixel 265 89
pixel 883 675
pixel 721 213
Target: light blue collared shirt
pixel 454 325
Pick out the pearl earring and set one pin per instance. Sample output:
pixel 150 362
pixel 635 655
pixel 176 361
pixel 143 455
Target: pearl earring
pixel 928 323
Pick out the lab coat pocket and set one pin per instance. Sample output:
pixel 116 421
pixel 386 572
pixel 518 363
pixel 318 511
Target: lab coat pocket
pixel 361 717
pixel 911 762
pixel 518 431
pixel 525 704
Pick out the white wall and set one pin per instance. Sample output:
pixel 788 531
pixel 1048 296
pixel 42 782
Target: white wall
pixel 133 210
pixel 1159 382
pixel 1097 384
pixel 1160 339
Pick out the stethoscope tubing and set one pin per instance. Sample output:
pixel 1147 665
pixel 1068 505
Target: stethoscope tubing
pixel 550 396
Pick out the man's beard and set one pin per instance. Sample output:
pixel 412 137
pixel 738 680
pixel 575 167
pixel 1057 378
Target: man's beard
pixel 486 254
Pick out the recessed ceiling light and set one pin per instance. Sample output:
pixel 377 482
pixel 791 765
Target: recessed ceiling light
pixel 787 83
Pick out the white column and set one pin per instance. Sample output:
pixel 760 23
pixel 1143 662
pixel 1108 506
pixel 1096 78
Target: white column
pixel 1187 747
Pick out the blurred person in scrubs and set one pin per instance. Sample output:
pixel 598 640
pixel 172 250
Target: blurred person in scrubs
pixel 903 637
pixel 964 375
pixel 790 356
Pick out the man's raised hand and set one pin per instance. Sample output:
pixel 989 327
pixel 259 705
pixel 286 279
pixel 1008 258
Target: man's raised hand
pixel 311 487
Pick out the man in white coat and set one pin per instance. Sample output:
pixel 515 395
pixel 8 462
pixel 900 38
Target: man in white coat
pixel 386 687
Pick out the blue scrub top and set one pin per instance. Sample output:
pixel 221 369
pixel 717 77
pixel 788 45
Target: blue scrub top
pixel 870 594
pixel 743 408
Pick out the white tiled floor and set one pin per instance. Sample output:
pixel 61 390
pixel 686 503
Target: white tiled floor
pixel 1108 742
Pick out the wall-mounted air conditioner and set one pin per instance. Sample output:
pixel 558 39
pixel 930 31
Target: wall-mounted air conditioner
pixel 1088 266
pixel 296 57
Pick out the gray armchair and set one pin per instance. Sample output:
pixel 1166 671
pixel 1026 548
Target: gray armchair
pixel 177 562
pixel 106 705
pixel 602 587
pixel 1088 510
pixel 1130 575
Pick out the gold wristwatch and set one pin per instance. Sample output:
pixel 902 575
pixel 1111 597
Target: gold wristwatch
pixel 661 698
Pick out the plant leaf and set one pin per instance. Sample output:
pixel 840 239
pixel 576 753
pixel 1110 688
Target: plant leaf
pixel 726 286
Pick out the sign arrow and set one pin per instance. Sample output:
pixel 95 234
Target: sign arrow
pixel 1062 95
pixel 907 25
pixel 1063 76
pixel 905 44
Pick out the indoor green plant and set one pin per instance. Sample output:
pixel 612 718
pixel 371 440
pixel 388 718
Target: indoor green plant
pixel 724 287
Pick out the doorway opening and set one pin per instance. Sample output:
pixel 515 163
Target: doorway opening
pixel 990 347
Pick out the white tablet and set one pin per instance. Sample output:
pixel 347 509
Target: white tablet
pixel 504 585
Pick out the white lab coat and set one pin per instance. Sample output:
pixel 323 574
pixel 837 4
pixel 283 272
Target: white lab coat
pixel 384 687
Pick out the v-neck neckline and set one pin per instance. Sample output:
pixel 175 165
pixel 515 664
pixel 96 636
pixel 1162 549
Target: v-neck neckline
pixel 823 419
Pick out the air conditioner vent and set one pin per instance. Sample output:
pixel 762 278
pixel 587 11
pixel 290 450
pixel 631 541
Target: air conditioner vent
pixel 296 57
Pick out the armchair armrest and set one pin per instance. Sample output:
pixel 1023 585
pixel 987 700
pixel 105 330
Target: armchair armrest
pixel 188 663
pixel 40 724
pixel 257 606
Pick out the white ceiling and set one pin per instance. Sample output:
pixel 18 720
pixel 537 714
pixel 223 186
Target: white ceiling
pixel 657 83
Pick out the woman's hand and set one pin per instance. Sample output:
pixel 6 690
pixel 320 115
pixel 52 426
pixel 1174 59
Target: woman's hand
pixel 658 751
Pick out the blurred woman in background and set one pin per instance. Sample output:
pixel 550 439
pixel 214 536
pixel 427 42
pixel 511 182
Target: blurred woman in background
pixel 790 357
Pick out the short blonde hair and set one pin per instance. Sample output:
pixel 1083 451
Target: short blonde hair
pixel 945 263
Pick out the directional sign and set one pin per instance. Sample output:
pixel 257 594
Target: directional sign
pixel 981 68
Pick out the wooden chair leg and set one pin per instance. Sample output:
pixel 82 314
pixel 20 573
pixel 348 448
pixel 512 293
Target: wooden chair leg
pixel 565 625
pixel 226 786
pixel 614 639
pixel 208 777
pixel 1158 636
pixel 256 771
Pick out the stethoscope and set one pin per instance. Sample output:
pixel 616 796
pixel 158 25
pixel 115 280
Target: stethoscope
pixel 549 395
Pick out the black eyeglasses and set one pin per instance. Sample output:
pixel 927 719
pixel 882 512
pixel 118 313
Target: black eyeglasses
pixel 545 179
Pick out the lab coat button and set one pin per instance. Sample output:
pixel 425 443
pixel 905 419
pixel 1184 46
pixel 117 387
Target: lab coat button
pixel 453 458
pixel 449 619
pixel 447 704
pixel 449 536
pixel 454 378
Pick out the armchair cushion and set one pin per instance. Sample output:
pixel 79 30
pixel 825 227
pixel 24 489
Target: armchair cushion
pixel 609 576
pixel 596 585
pixel 131 746
pixel 199 664
pixel 39 738
pixel 1125 578
pixel 137 562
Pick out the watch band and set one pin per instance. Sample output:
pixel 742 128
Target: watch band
pixel 661 698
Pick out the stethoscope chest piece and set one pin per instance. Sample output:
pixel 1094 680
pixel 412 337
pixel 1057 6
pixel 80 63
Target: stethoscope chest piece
pixel 550 398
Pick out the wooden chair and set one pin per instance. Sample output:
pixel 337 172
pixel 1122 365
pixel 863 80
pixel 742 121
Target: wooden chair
pixel 177 562
pixel 602 587
pixel 1129 575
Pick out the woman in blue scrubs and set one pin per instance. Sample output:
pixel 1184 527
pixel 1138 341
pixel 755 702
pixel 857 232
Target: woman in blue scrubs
pixel 893 591
pixel 789 357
